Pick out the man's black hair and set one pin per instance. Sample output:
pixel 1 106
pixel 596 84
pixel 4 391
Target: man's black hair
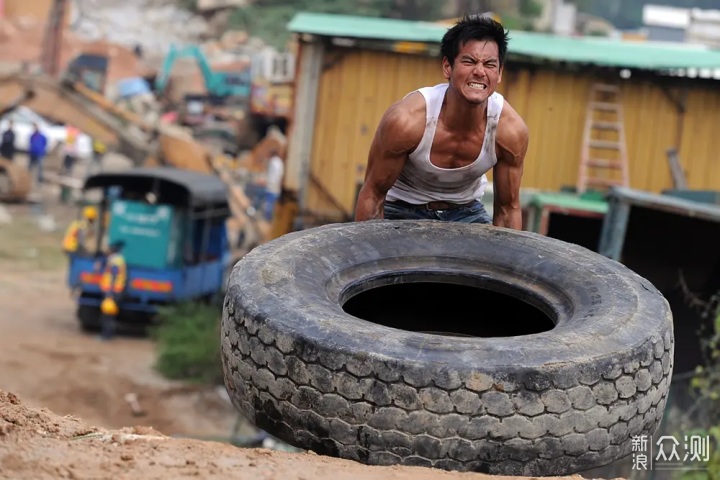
pixel 474 27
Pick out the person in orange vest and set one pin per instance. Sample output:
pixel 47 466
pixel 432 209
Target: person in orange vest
pixel 70 148
pixel 79 231
pixel 112 283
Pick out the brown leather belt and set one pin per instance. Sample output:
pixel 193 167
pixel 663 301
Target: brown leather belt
pixel 432 205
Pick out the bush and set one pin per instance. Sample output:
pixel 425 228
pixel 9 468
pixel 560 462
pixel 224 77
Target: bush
pixel 706 383
pixel 188 343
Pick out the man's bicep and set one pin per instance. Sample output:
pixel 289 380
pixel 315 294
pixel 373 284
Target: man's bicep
pixel 389 150
pixel 508 171
pixel 507 178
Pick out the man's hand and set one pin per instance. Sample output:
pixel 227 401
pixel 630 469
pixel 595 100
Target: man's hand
pixel 512 145
pixel 398 134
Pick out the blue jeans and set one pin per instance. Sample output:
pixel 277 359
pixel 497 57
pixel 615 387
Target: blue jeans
pixel 474 213
pixel 269 204
pixel 36 161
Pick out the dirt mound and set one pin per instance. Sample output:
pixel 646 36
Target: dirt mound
pixel 37 444
pixel 16 418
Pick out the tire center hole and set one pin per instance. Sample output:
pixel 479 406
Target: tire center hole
pixel 449 309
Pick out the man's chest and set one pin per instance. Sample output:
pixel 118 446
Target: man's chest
pixel 454 150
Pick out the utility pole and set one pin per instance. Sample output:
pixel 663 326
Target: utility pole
pixel 52 42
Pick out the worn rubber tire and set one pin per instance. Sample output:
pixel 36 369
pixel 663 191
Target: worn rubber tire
pixel 553 403
pixel 89 318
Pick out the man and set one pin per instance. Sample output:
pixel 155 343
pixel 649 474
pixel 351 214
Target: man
pixel 273 185
pixel 38 149
pixel 7 144
pixel 432 148
pixel 79 231
pixel 70 149
pixel 112 284
pixel 99 150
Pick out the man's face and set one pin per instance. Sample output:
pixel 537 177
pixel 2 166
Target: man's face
pixel 476 71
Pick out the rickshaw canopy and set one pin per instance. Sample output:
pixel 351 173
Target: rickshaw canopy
pixel 199 192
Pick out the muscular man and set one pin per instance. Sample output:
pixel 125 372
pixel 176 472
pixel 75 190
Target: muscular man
pixel 432 149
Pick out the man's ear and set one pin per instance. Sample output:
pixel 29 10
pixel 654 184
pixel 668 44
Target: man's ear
pixel 500 76
pixel 447 68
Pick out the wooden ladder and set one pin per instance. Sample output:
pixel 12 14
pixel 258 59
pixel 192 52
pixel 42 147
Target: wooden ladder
pixel 589 162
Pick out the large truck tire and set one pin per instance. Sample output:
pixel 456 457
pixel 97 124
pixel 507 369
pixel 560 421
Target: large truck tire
pixel 89 318
pixel 555 402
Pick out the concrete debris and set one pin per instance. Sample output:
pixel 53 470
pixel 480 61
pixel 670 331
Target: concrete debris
pixel 5 217
pixel 21 43
pixel 47 223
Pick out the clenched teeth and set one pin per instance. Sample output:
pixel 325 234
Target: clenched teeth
pixel 479 86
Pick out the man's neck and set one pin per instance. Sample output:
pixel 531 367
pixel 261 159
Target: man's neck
pixel 460 115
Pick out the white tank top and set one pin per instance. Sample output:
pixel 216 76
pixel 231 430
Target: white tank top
pixel 421 182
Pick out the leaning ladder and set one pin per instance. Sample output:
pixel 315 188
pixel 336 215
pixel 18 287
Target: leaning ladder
pixel 602 168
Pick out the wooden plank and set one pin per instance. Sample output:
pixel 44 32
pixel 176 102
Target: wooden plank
pixel 605 107
pixel 602 163
pixel 607 125
pixel 604 144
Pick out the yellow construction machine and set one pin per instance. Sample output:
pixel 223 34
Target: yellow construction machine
pixel 71 102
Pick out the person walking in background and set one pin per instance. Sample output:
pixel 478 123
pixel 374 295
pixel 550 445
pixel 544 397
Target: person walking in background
pixel 273 186
pixel 38 150
pixel 7 145
pixel 70 149
pixel 99 150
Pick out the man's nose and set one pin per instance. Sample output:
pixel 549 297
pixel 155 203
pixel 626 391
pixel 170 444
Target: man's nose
pixel 479 70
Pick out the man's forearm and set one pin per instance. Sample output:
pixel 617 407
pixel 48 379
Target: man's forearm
pixel 508 218
pixel 369 207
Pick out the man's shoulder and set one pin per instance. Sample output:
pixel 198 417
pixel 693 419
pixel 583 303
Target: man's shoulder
pixel 512 136
pixel 406 116
pixel 511 127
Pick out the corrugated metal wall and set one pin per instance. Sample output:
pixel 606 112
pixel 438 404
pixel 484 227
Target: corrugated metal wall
pixel 357 87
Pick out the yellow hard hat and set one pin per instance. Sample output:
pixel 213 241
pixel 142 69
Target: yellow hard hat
pixel 90 213
pixel 109 307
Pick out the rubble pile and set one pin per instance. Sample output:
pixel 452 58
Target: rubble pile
pixel 21 41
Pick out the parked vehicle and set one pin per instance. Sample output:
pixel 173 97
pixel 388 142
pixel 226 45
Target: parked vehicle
pixel 176 247
pixel 23 119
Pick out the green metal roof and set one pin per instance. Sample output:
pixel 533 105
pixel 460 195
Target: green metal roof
pixel 591 50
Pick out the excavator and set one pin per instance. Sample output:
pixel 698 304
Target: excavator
pixel 68 100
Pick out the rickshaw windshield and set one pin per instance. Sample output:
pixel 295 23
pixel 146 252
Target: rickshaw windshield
pixel 188 208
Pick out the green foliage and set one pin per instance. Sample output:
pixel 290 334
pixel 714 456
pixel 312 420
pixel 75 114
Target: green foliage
pixel 530 9
pixel 188 343
pixel 707 383
pixel 713 466
pixel 268 19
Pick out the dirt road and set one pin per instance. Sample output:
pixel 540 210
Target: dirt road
pixel 47 360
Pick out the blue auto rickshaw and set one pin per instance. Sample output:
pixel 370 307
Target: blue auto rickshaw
pixel 172 225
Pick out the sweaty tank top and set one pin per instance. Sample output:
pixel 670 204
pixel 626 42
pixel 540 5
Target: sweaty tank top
pixel 421 182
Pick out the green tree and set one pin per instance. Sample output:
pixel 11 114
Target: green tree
pixel 268 19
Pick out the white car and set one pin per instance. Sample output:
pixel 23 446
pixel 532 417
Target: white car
pixel 23 119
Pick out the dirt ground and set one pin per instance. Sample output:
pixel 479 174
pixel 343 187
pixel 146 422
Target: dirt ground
pixel 37 444
pixel 46 361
